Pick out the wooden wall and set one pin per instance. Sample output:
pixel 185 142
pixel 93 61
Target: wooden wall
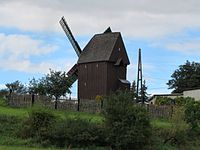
pixel 92 80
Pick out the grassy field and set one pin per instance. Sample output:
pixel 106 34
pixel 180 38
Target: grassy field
pixel 11 118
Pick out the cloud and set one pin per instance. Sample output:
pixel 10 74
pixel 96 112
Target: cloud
pixel 191 47
pixel 16 52
pixel 2 86
pixel 22 46
pixel 137 19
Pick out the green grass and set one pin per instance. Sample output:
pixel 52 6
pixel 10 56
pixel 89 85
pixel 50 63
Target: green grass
pixel 161 123
pixel 23 113
pixel 25 148
pixel 18 112
pixel 31 148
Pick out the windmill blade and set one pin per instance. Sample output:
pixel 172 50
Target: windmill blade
pixel 70 36
pixel 73 74
pixel 73 70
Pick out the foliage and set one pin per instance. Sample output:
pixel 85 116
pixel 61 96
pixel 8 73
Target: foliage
pixel 163 101
pixel 179 128
pixel 56 84
pixel 36 86
pixel 11 119
pixel 16 87
pixel 142 93
pixel 178 101
pixel 187 76
pixel 182 101
pixel 128 125
pixel 3 92
pixel 38 124
pixel 192 114
pixel 77 132
pixel 133 90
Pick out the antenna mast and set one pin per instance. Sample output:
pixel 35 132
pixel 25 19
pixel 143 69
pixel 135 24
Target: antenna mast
pixel 139 80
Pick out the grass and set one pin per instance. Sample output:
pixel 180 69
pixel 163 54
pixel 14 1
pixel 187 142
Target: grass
pixel 18 112
pixel 31 148
pixel 24 148
pixel 160 123
pixel 23 113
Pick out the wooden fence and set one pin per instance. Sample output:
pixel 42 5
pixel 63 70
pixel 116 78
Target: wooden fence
pixel 160 111
pixel 85 105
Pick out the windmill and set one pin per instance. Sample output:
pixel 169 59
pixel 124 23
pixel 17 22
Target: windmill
pixel 73 72
pixel 102 64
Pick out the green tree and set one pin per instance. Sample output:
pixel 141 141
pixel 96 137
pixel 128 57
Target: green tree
pixel 143 95
pixel 56 84
pixel 192 114
pixel 127 124
pixel 187 76
pixel 133 90
pixel 16 87
pixel 36 87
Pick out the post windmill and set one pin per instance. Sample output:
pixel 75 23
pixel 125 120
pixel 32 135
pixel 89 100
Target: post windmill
pixel 102 65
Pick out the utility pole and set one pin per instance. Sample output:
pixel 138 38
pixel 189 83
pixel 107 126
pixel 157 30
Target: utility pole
pixel 139 79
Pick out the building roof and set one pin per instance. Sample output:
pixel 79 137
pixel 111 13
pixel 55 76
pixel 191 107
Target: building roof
pixel 101 47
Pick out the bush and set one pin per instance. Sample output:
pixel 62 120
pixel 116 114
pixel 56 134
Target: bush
pixel 178 101
pixel 163 101
pixel 128 125
pixel 78 133
pixel 192 114
pixel 39 124
pixel 177 134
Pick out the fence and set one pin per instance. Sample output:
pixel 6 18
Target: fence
pixel 85 105
pixel 160 111
pixel 62 104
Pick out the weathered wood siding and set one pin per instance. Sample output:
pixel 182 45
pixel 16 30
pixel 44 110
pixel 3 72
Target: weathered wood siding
pixel 92 80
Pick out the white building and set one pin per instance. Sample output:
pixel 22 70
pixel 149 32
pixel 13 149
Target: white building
pixel 195 93
pixel 192 93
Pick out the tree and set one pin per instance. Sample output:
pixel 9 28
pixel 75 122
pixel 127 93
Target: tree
pixel 16 87
pixel 127 124
pixel 3 92
pixel 35 88
pixel 56 84
pixel 187 76
pixel 133 90
pixel 143 95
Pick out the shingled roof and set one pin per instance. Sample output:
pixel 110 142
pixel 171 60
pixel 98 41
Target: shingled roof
pixel 100 48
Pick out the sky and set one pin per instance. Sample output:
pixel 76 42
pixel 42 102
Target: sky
pixel 32 40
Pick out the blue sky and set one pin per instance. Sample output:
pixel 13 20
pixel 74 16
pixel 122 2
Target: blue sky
pixel 32 41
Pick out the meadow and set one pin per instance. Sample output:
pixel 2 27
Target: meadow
pixel 11 120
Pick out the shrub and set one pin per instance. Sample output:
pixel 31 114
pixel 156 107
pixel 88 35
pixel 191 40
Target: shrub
pixel 177 134
pixel 192 115
pixel 163 101
pixel 77 132
pixel 128 125
pixel 182 101
pixel 39 124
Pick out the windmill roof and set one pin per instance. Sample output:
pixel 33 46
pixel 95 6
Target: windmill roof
pixel 99 48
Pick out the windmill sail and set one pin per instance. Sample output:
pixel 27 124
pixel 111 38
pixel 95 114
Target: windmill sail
pixel 73 74
pixel 70 36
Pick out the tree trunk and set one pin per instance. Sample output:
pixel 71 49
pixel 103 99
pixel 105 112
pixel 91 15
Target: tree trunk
pixel 32 99
pixel 56 103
